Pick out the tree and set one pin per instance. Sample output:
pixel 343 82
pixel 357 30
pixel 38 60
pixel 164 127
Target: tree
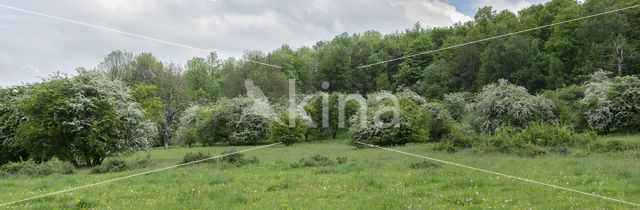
pixel 10 118
pixel 172 90
pixel 412 124
pixel 288 134
pixel 328 105
pixel 382 82
pixel 502 104
pixel 117 65
pixel 504 59
pixel 149 102
pixel 203 78
pixel 597 107
pixel 621 50
pixel 411 67
pixel 435 80
pixel 624 94
pixel 82 120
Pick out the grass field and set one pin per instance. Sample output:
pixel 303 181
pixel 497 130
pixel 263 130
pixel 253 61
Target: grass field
pixel 370 179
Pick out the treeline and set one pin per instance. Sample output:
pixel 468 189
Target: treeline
pixel 556 75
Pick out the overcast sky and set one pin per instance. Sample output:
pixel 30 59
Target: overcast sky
pixel 32 46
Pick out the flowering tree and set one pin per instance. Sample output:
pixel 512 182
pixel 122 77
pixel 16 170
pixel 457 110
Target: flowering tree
pixel 502 103
pixel 81 119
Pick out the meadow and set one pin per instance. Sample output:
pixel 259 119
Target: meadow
pixel 369 179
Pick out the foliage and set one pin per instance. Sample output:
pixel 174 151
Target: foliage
pixel 412 123
pixel 316 110
pixel 313 161
pixel 237 121
pixel 424 164
pixel 456 104
pixel 237 159
pixel 598 108
pixel 111 166
pixel 81 120
pixel 533 139
pixel 503 104
pixel 151 104
pixel 284 132
pixel 203 76
pixel 624 94
pixel 195 156
pixel 30 168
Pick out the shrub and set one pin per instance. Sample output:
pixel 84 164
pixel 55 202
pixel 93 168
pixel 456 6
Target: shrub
pixel 424 164
pixel 195 156
pixel 614 146
pixel 504 104
pixel 83 120
pixel 313 161
pixel 238 159
pixel 30 168
pixel 624 93
pixel 531 150
pixel 237 121
pixel 456 104
pixel 341 160
pixel 440 123
pixel 458 138
pixel 283 132
pixel 445 146
pixel 543 134
pixel 412 124
pixel 111 166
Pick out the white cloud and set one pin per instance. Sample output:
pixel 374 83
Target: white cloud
pixel 227 26
pixel 433 13
pixel 499 5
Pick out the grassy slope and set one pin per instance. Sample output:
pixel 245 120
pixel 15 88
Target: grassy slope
pixel 372 178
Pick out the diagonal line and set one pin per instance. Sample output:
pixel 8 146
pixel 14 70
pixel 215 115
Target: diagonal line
pixel 501 174
pixel 134 175
pixel 500 36
pixel 124 32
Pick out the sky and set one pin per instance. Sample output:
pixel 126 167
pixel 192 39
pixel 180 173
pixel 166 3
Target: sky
pixel 32 47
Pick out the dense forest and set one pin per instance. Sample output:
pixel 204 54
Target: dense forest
pixel 130 101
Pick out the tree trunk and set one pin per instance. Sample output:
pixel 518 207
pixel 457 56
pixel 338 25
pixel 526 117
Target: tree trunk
pixel 165 139
pixel 619 69
pixel 335 133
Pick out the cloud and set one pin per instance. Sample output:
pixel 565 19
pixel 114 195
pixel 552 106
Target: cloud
pixel 433 13
pixel 227 26
pixel 499 5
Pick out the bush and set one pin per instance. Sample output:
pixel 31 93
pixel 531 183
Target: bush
pixel 456 104
pixel 458 138
pixel 283 132
pixel 532 139
pixel 412 124
pixel 614 146
pixel 313 161
pixel 237 121
pixel 558 135
pixel 341 160
pixel 30 168
pixel 195 156
pixel 530 150
pixel 238 159
pixel 82 120
pixel 424 164
pixel 111 166
pixel 504 104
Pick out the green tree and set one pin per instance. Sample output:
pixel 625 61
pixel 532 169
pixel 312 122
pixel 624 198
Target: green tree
pixel 283 132
pixel 203 78
pixel 411 67
pixel 82 120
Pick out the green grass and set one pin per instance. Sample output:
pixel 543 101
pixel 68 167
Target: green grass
pixel 370 179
